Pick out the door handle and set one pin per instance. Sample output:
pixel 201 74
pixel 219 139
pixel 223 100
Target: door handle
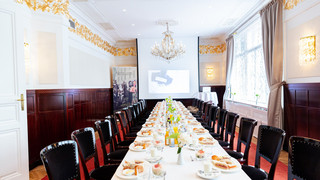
pixel 22 102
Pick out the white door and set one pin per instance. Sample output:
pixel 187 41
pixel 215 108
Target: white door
pixel 13 120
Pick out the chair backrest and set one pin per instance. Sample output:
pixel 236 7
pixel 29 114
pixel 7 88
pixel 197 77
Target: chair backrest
pixel 206 111
pixel 194 101
pixel 221 122
pixel 61 160
pixel 247 126
pixel 270 140
pixel 116 137
pixel 105 134
pixel 136 109
pixel 140 106
pixel 203 107
pixel 86 141
pixel 304 158
pixel 133 113
pixel 121 115
pixel 231 122
pixel 200 105
pixel 129 117
pixel 212 117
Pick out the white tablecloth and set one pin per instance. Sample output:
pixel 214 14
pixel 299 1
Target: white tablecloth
pixel 208 96
pixel 186 171
pixel 175 171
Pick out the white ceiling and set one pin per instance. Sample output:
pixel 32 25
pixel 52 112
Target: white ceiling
pixel 205 18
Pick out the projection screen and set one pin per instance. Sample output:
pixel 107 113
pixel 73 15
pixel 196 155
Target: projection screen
pixel 159 79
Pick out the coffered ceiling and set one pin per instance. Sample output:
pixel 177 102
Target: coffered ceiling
pixel 130 19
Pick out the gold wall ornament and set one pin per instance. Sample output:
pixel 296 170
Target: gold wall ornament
pixel 61 7
pixel 290 4
pixel 209 49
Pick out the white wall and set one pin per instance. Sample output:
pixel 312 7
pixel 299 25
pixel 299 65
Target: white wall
pixel 59 58
pixel 215 61
pixel 302 21
pixel 88 70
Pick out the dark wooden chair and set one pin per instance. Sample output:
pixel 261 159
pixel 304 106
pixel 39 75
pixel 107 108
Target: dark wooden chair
pixel 200 107
pixel 61 160
pixel 118 143
pixel 134 117
pixel 220 125
pixel 130 121
pixel 204 118
pixel 270 141
pixel 105 133
pixel 139 118
pixel 145 108
pixel 231 122
pixel 247 126
pixel 304 158
pixel 121 116
pixel 87 149
pixel 211 118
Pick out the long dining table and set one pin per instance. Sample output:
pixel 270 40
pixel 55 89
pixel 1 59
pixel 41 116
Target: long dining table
pixel 169 155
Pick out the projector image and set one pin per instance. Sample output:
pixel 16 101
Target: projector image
pixel 161 78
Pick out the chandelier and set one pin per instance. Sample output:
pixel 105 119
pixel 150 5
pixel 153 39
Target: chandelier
pixel 168 49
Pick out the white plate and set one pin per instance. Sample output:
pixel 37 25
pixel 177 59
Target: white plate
pixel 122 176
pixel 212 176
pixel 197 124
pixel 229 170
pixel 194 147
pixel 145 126
pixel 132 148
pixel 205 131
pixel 141 135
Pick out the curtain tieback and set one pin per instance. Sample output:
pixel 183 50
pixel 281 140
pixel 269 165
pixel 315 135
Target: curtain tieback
pixel 277 86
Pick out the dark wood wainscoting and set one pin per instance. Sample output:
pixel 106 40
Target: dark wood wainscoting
pixel 302 110
pixel 219 90
pixel 54 113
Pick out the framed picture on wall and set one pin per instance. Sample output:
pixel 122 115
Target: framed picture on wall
pixel 125 89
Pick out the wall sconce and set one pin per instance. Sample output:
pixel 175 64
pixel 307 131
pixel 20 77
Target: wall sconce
pixel 307 50
pixel 209 72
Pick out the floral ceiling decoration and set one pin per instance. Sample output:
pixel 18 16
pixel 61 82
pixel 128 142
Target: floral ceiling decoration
pixel 289 4
pixel 209 49
pixel 60 7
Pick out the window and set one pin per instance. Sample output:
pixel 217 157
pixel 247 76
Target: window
pixel 248 78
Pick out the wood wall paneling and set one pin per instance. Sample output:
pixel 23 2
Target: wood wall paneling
pixel 54 113
pixel 302 110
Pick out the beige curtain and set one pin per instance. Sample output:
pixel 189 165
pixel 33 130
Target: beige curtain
pixel 229 60
pixel 272 36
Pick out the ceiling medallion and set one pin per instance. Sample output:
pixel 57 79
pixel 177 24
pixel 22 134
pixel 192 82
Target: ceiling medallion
pixel 168 50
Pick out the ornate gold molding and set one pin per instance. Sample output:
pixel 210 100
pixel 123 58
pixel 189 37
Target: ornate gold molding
pixel 53 6
pixel 209 49
pixel 131 51
pixel 61 7
pixel 290 4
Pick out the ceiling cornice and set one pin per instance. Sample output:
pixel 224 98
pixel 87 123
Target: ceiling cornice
pixel 83 18
pixel 254 10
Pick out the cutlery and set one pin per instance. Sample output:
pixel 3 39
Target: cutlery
pixel 191 158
